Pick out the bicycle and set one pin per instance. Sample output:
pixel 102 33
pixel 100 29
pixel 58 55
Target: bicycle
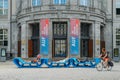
pixel 100 66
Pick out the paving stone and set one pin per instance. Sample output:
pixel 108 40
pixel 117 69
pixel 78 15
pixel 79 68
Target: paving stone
pixel 9 71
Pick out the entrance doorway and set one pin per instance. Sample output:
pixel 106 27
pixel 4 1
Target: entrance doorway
pixel 84 47
pixel 34 43
pixel 86 42
pixel 19 42
pixel 59 46
pixel 102 41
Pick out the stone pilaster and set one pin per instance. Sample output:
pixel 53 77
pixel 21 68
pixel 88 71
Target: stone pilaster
pixel 97 39
pixel 24 41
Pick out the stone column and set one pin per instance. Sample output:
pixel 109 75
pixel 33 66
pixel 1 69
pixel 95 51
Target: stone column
pixel 24 40
pixel 97 39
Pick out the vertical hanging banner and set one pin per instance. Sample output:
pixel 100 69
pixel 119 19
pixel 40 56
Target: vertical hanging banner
pixel 74 36
pixel 44 41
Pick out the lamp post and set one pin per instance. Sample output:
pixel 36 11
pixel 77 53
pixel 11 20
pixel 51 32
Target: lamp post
pixel 10 26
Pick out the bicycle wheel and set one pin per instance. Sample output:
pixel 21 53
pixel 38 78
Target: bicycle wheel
pixel 99 67
pixel 109 68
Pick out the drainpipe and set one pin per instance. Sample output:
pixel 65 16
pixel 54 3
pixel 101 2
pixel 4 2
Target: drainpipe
pixel 112 30
pixel 10 26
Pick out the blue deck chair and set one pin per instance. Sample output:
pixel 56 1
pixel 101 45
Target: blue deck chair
pixel 20 63
pixel 61 63
pixel 85 64
pixel 43 61
pixel 72 62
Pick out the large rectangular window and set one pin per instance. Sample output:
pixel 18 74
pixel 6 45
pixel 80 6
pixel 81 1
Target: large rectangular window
pixel 60 47
pixel 118 11
pixel 59 39
pixel 60 29
pixel 59 2
pixel 117 36
pixel 3 37
pixel 85 2
pixel 36 2
pixel 118 7
pixel 3 7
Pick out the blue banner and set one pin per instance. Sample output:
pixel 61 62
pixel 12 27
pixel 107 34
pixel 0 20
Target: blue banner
pixel 74 45
pixel 74 36
pixel 44 48
pixel 44 40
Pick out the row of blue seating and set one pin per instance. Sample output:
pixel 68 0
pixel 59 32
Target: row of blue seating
pixel 71 62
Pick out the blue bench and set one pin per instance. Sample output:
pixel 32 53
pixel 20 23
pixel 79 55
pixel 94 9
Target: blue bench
pixel 70 62
pixel 22 64
pixel 43 61
pixel 61 63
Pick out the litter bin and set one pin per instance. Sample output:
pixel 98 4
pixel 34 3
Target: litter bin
pixel 2 54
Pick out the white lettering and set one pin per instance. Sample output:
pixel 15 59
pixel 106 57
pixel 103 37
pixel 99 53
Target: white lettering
pixel 75 30
pixel 73 41
pixel 43 41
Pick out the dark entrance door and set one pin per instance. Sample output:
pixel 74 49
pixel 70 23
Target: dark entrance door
pixel 35 39
pixel 84 47
pixel 86 42
pixel 19 42
pixel 59 39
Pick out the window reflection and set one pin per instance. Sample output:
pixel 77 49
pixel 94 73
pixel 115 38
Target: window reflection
pixel 36 2
pixel 59 1
pixel 85 2
pixel 3 7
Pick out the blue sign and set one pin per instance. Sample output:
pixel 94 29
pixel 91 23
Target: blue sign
pixel 44 47
pixel 74 45
pixel 44 41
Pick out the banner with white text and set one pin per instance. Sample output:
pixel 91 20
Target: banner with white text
pixel 74 36
pixel 44 41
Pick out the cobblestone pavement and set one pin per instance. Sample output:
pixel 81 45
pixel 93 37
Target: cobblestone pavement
pixel 8 71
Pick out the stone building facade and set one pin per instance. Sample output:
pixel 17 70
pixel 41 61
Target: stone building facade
pixel 63 28
pixel 6 12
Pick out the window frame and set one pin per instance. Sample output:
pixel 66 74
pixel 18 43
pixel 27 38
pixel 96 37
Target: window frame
pixel 60 29
pixel 59 2
pixel 37 3
pixel 85 3
pixel 61 47
pixel 4 8
pixel 4 42
pixel 117 7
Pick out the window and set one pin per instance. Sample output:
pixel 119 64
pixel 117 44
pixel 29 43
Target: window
pixel 59 29
pixel 85 30
pixel 118 7
pixel 59 39
pixel 60 2
pixel 118 11
pixel 36 2
pixel 85 2
pixel 103 5
pixel 3 7
pixel 3 37
pixel 117 36
pixel 60 47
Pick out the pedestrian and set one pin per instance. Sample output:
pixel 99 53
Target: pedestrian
pixel 37 59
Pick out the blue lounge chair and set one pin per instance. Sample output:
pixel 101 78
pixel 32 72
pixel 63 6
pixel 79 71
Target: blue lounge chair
pixel 61 63
pixel 43 61
pixel 22 64
pixel 72 62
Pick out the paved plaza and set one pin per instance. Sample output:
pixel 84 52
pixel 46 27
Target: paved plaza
pixel 9 71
